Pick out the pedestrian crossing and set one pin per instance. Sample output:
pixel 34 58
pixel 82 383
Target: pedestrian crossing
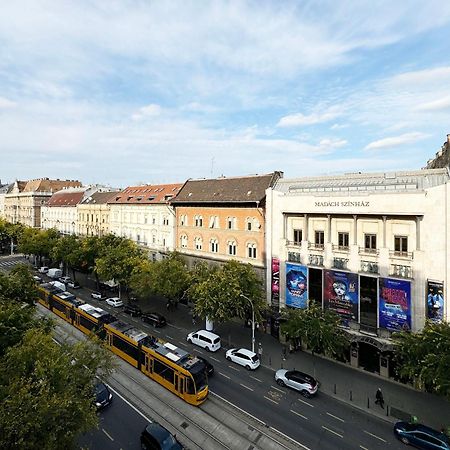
pixel 8 262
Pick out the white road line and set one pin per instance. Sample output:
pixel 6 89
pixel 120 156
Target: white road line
pixel 198 351
pixel 331 431
pixel 363 448
pixel 214 359
pixel 156 331
pixel 374 435
pixel 335 417
pixel 234 368
pixel 257 379
pixel 170 338
pixel 279 390
pixel 104 431
pixel 270 400
pixel 226 376
pixel 298 414
pixel 306 403
pixel 246 387
pixel 183 344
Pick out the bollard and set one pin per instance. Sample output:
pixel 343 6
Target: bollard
pixel 387 410
pixel 368 402
pixel 335 390
pixel 351 396
pixel 270 361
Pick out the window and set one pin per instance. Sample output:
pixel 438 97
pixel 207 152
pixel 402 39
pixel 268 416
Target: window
pixel 183 241
pixel 401 245
pixel 343 240
pixel 198 221
pixel 198 243
pixel 319 238
pixel 249 225
pixel 298 236
pixel 165 220
pixel 232 248
pixel 370 242
pixel 214 245
pixel 183 220
pixel 214 222
pixel 153 220
pixel 251 251
pixel 231 223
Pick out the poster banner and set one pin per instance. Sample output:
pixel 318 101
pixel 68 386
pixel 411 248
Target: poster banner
pixel 296 286
pixel 341 294
pixel 395 304
pixel 435 301
pixel 275 282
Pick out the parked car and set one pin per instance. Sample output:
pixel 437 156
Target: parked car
pixel 43 269
pixel 205 339
pixel 421 436
pixel 98 295
pixel 153 318
pixel 65 279
pixel 132 310
pixel 54 273
pixel 103 396
pixel 73 284
pixel 244 357
pixel 115 302
pixel 208 365
pixel 302 382
pixel 37 279
pixel 156 437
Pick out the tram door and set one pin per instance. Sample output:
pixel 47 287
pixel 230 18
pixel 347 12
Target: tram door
pixel 148 364
pixel 179 385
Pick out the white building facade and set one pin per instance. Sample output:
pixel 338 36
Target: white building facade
pixel 372 247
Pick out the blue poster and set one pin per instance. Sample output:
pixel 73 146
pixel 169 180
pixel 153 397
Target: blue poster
pixel 296 286
pixel 395 304
pixel 435 301
pixel 341 294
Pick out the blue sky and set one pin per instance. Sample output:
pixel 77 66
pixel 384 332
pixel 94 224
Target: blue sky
pixel 129 92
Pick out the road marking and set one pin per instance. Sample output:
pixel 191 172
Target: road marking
pixel 214 359
pixel 226 376
pixel 279 390
pixel 270 400
pixel 170 338
pixel 374 435
pixel 331 431
pixel 306 403
pixel 257 379
pixel 335 417
pixel 104 431
pixel 298 414
pixel 234 368
pixel 198 351
pixel 246 387
pixel 364 448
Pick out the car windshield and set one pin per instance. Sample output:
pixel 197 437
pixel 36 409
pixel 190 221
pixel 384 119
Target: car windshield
pixel 198 372
pixel 168 442
pixel 254 358
pixel 216 341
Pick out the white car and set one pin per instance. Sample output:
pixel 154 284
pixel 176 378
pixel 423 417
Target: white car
pixel 43 269
pixel 205 339
pixel 244 357
pixel 302 382
pixel 114 302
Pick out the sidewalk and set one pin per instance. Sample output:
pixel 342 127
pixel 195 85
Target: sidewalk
pixel 355 387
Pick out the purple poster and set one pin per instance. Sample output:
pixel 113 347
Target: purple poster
pixel 341 294
pixel 395 304
pixel 435 301
pixel 296 286
pixel 275 282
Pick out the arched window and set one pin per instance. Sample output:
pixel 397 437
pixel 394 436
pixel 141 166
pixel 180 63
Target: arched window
pixel 183 241
pixel 198 242
pixel 231 247
pixel 214 245
pixel 251 250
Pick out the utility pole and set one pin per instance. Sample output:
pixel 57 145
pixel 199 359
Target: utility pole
pixel 253 321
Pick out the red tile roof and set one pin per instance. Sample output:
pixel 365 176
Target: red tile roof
pixel 145 195
pixel 62 198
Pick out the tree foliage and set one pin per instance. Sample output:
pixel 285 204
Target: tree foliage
pixel 18 285
pixel 424 358
pixel 318 329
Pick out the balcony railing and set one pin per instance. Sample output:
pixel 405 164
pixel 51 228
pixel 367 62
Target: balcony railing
pixel 315 246
pixel 368 251
pixel 293 243
pixel 369 267
pixel 401 255
pixel 398 270
pixel 294 257
pixel 340 263
pixel 341 248
pixel 316 260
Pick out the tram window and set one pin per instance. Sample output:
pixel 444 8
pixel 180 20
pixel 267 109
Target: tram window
pixel 125 347
pixel 59 306
pixel 86 323
pixel 164 371
pixel 190 389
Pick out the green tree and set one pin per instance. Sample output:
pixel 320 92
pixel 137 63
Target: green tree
pixel 19 285
pixel 424 357
pixel 143 279
pixel 68 251
pixel 46 391
pixel 318 329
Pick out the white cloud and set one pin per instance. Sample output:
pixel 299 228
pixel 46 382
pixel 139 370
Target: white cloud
pixel 299 119
pixel 333 143
pixel 390 142
pixel 151 110
pixel 436 105
pixel 5 103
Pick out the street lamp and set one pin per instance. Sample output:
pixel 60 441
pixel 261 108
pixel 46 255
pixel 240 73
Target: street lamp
pixel 253 321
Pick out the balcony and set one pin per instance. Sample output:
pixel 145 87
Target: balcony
pixel 316 260
pixel 340 263
pixel 369 267
pixel 315 246
pixel 368 251
pixel 294 257
pixel 341 248
pixel 296 244
pixel 398 270
pixel 400 255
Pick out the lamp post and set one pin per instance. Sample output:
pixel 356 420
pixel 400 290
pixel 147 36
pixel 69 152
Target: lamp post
pixel 253 321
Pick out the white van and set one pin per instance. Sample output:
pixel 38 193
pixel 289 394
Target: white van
pixel 205 339
pixel 54 273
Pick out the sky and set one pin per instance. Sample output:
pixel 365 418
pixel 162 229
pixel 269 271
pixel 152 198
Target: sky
pixel 124 92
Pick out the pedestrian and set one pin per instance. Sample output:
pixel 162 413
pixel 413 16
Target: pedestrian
pixel 379 400
pixel 284 353
pixel 260 351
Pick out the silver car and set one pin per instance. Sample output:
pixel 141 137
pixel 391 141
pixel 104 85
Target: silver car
pixel 302 382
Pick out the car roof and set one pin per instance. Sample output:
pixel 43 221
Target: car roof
pixel 208 334
pixel 421 427
pixel 245 351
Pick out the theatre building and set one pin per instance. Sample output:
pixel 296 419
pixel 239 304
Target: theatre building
pixel 372 247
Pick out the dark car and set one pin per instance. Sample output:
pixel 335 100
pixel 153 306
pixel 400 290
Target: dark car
pixel 421 436
pixel 208 365
pixel 156 437
pixel 103 396
pixel 153 318
pixel 132 310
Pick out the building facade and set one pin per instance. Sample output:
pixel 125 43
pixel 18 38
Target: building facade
pixel 372 247
pixel 144 215
pixel 223 219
